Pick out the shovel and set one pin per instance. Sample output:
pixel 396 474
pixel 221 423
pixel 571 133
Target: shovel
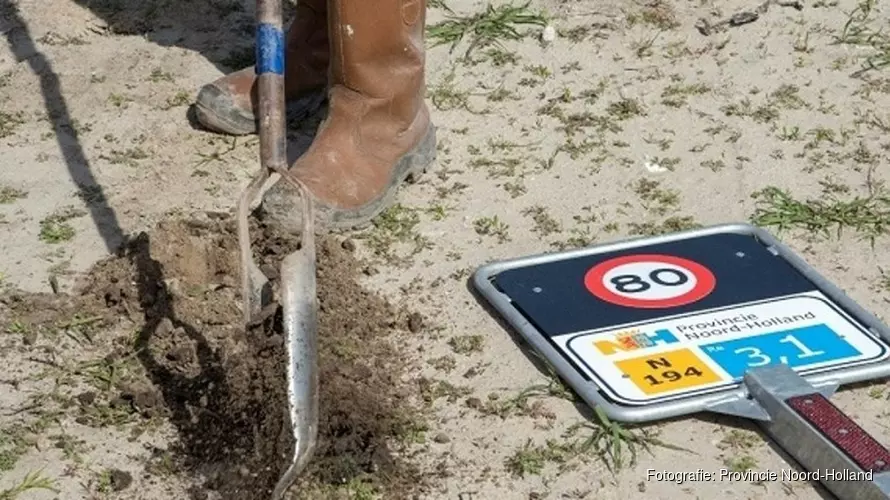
pixel 298 298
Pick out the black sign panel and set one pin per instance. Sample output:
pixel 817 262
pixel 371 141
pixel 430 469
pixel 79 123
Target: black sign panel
pixel 645 283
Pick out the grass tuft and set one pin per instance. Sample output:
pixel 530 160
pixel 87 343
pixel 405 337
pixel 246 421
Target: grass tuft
pixel 858 30
pixel 32 481
pixel 486 28
pixel 868 216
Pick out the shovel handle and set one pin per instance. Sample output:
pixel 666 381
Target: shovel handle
pixel 270 50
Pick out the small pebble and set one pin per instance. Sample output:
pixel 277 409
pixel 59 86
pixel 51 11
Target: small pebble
pixel 441 438
pixel 86 398
pixel 29 338
pixel 270 271
pixel 549 34
pixel 415 322
pixel 145 399
pixel 165 326
pixel 348 245
pixel 120 480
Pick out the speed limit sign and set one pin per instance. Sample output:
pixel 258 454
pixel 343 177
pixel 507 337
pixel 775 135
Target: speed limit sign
pixel 650 281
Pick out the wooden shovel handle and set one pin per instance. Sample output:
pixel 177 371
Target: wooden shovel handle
pixel 270 50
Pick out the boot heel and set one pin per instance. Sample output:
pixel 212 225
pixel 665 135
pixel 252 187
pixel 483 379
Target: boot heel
pixel 419 160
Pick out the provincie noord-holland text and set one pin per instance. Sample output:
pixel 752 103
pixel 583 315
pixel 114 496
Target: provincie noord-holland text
pixel 738 323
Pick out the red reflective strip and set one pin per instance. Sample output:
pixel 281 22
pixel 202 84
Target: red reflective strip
pixel 864 450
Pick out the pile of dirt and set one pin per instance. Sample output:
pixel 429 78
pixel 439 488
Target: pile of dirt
pixel 224 389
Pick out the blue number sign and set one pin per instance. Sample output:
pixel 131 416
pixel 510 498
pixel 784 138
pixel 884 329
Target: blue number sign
pixel 796 348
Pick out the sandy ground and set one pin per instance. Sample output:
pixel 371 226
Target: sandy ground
pixel 630 122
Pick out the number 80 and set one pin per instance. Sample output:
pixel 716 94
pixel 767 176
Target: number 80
pixel 632 283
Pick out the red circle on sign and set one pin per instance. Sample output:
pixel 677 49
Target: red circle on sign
pixel 595 281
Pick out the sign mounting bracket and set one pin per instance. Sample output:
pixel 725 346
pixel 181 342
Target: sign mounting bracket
pixel 803 422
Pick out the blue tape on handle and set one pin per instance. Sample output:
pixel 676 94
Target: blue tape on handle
pixel 269 50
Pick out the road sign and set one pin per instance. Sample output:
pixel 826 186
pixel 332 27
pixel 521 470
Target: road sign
pixel 724 319
pixel 650 281
pixel 659 327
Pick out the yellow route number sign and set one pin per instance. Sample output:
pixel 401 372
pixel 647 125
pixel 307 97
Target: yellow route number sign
pixel 667 371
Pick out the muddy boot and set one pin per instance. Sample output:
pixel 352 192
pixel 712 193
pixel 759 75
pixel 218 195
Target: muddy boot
pixel 228 104
pixel 378 132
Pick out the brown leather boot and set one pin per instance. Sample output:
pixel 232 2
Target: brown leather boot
pixel 228 104
pixel 378 132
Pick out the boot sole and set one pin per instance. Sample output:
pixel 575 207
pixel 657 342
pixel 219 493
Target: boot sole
pixel 236 122
pixel 409 169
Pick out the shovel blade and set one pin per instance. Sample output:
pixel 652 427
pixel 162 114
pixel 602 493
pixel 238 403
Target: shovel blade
pixel 299 308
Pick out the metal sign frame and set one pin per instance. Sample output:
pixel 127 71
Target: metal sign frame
pixel 735 400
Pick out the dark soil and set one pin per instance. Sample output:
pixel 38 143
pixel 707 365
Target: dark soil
pixel 224 389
